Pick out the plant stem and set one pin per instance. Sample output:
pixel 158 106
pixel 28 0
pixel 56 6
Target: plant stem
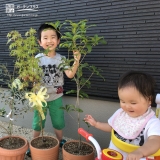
pixel 41 127
pixel 87 80
pixel 10 116
pixel 78 113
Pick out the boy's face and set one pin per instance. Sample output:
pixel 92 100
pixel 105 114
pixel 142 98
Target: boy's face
pixel 49 39
pixel 132 102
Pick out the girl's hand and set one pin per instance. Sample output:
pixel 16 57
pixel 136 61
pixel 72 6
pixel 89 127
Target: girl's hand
pixel 90 120
pixel 136 155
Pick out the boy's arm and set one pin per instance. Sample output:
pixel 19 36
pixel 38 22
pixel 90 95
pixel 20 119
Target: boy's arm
pixel 150 147
pixel 71 72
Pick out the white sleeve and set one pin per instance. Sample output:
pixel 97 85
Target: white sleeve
pixel 153 127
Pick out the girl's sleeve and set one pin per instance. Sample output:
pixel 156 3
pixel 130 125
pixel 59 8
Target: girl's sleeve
pixel 153 127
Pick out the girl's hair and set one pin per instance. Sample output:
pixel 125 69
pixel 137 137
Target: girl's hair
pixel 45 26
pixel 143 82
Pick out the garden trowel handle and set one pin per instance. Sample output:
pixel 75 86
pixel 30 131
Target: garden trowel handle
pixel 84 133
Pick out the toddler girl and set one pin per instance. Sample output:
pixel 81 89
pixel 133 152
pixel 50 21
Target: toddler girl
pixel 135 122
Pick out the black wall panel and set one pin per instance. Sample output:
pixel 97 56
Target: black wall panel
pixel 130 27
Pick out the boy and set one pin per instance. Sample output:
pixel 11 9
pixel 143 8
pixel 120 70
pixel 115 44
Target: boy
pixel 49 38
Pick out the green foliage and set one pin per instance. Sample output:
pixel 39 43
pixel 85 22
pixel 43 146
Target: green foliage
pixel 76 39
pixel 24 50
pixel 11 97
pixel 70 107
pixel 57 25
pixel 2 112
pixel 26 73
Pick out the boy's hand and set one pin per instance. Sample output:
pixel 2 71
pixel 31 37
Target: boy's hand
pixel 59 90
pixel 26 78
pixel 90 120
pixel 77 56
pixel 136 155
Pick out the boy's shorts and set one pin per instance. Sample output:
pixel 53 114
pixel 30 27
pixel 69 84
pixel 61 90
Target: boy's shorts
pixel 56 114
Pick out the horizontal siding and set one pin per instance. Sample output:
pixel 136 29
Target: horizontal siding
pixel 131 29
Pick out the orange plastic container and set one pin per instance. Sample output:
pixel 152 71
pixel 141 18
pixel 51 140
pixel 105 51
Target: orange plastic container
pixel 109 154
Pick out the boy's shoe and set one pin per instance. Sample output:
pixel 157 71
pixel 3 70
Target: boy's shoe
pixel 62 142
pixel 28 153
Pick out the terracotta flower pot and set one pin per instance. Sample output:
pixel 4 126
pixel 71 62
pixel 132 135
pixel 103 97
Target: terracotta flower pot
pixel 50 153
pixel 13 154
pixel 69 156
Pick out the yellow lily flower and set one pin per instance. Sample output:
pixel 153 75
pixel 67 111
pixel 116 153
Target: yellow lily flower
pixel 35 100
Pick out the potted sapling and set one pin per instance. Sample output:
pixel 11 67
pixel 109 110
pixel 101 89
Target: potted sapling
pixel 76 39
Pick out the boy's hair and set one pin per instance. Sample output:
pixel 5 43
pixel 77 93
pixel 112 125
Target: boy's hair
pixel 143 82
pixel 47 26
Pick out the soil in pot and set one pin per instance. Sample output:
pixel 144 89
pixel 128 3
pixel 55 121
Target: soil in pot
pixel 12 143
pixel 44 143
pixel 13 148
pixel 73 148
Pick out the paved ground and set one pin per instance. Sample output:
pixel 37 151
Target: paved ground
pixel 27 133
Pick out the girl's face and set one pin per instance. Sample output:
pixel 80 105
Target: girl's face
pixel 132 102
pixel 49 39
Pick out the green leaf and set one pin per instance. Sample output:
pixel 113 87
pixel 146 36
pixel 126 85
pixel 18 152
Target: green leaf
pixel 83 94
pixel 88 125
pixel 71 92
pixel 89 47
pixel 68 35
pixel 69 108
pixel 79 110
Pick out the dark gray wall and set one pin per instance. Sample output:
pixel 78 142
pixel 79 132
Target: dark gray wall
pixel 131 28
